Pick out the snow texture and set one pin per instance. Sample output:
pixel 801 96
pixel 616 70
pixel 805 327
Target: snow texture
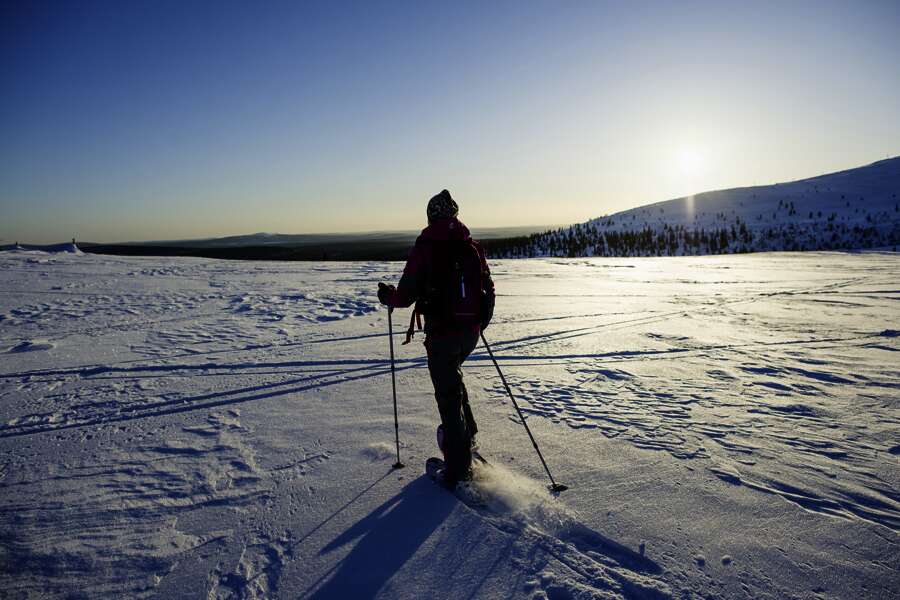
pixel 854 209
pixel 728 427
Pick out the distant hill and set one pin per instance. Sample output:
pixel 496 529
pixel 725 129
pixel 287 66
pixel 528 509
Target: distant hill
pixel 378 245
pixel 853 209
pixel 319 239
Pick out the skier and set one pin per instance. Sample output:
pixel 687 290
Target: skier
pixel 448 278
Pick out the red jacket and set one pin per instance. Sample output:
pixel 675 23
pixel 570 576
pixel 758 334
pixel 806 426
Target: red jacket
pixel 420 257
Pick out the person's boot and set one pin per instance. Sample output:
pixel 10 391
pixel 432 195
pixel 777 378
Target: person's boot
pixel 466 489
pixel 450 480
pixel 444 479
pixel 441 442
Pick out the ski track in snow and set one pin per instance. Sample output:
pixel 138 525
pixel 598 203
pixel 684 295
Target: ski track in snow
pixel 775 373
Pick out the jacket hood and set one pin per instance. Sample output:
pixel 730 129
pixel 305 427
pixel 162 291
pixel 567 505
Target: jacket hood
pixel 446 229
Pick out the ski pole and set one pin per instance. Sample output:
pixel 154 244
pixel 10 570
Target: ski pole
pixel 554 487
pixel 398 464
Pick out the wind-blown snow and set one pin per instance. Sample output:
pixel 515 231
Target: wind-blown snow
pixel 191 428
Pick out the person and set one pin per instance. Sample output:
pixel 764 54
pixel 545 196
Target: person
pixel 448 279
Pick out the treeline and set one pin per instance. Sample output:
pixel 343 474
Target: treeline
pixel 587 240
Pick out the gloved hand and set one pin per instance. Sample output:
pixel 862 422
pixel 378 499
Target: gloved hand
pixel 385 292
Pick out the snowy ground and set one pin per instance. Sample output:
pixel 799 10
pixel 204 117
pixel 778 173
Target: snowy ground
pixel 200 429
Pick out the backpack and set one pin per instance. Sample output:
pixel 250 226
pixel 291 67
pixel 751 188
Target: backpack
pixel 453 284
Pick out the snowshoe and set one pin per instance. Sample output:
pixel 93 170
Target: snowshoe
pixel 461 488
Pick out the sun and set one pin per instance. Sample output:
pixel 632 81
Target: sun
pixel 690 161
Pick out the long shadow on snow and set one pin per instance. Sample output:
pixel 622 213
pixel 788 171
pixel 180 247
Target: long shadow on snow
pixel 500 347
pixel 204 401
pixel 387 537
pixel 392 533
pixel 500 344
pixel 215 399
pixel 92 370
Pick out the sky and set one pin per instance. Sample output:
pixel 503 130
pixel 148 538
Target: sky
pixel 173 119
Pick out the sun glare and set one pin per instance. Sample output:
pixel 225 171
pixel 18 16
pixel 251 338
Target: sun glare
pixel 690 161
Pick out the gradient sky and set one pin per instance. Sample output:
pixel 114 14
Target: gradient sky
pixel 170 119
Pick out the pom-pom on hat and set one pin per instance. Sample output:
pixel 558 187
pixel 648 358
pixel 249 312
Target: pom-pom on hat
pixel 442 206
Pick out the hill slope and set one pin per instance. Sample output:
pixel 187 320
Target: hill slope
pixel 853 209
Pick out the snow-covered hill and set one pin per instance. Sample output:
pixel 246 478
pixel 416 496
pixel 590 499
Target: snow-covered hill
pixel 853 209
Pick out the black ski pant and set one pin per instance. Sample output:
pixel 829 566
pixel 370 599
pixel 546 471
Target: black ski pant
pixel 445 358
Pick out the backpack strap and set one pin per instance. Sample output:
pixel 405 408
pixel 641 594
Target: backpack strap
pixel 415 319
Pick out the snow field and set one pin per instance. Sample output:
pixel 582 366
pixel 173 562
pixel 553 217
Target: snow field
pixel 193 428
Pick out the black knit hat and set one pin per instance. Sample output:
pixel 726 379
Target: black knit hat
pixel 442 206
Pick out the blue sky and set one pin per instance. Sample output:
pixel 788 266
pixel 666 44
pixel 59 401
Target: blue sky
pixel 163 120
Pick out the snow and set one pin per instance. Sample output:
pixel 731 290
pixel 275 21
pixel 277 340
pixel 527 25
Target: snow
pixel 853 209
pixel 728 427
pixel 66 248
